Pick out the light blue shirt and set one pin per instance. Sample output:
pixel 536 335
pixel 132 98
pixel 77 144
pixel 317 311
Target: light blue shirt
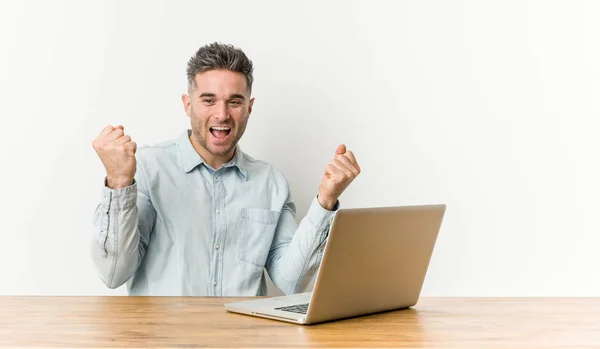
pixel 185 229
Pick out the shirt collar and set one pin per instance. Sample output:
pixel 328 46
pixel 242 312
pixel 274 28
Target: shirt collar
pixel 189 157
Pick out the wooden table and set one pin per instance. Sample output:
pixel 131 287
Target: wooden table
pixel 178 322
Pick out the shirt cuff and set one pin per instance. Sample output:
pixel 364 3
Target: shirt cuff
pixel 118 199
pixel 318 216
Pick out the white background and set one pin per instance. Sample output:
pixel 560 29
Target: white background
pixel 490 107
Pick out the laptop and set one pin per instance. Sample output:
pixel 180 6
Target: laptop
pixel 375 260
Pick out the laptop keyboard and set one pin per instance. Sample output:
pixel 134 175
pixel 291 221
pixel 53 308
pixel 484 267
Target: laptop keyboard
pixel 296 308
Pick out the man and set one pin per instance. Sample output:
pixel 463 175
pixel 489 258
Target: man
pixel 196 216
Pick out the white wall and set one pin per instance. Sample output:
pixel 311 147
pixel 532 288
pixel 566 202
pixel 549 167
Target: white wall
pixel 491 107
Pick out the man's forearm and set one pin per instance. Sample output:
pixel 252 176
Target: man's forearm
pixel 292 264
pixel 116 245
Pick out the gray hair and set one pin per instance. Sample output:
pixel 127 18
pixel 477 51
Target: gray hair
pixel 219 56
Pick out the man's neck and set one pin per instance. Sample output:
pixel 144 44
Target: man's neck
pixel 214 161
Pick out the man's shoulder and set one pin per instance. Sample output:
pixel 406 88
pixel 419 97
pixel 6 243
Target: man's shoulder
pixel 157 149
pixel 157 155
pixel 261 166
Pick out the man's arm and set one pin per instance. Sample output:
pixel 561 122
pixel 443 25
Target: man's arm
pixel 125 217
pixel 121 231
pixel 296 250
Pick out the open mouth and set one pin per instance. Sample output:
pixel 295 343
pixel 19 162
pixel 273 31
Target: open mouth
pixel 220 132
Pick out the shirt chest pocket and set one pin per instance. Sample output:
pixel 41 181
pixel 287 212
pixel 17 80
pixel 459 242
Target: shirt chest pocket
pixel 257 227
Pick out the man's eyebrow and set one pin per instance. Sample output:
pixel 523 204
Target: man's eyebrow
pixel 233 96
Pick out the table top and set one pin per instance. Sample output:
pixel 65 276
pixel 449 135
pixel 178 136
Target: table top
pixel 182 322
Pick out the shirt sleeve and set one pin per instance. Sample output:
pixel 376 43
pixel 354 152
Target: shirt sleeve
pixel 297 249
pixel 121 230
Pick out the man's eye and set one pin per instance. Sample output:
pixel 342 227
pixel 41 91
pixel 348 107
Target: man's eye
pixel 208 101
pixel 235 102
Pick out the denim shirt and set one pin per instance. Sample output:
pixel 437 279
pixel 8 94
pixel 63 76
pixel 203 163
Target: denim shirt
pixel 185 229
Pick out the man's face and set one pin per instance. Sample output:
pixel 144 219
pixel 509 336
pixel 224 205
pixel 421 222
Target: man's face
pixel 219 108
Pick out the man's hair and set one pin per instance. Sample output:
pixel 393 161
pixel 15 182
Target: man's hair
pixel 219 56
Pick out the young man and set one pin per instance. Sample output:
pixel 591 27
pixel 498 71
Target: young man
pixel 196 216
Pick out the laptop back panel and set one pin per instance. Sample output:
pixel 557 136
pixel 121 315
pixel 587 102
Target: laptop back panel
pixel 375 260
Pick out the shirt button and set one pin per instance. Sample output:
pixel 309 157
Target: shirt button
pixel 218 211
pixel 214 283
pixel 216 179
pixel 217 246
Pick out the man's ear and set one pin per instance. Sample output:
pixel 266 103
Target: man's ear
pixel 250 104
pixel 187 103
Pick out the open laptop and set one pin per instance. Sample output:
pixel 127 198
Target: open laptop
pixel 375 260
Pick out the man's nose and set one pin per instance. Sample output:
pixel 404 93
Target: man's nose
pixel 221 111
